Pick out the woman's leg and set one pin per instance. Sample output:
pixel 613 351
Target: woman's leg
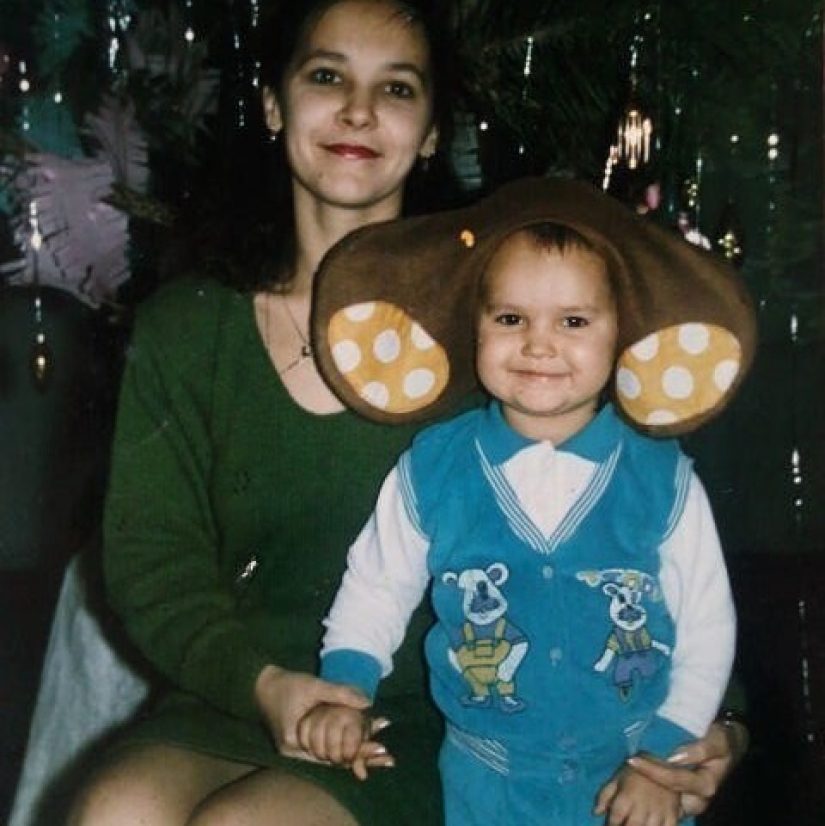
pixel 158 785
pixel 268 797
pixel 151 785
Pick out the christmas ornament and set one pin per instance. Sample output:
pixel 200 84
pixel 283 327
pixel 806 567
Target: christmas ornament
pixel 635 131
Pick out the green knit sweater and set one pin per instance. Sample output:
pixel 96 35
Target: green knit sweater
pixel 230 512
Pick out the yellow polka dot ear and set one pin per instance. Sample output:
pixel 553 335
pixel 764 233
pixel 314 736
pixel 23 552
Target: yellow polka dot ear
pixel 675 378
pixel 387 359
pixel 394 308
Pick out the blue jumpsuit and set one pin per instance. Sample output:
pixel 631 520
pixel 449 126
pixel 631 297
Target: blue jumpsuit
pixel 550 654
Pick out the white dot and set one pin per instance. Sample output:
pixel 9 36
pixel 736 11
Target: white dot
pixel 694 338
pixel 418 383
pixel 677 382
pixel 661 417
pixel 347 355
pixel 387 346
pixel 647 348
pixel 724 374
pixel 360 312
pixel 628 384
pixel 376 393
pixel 421 339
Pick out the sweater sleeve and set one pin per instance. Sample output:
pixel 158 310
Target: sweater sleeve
pixel 161 544
pixel 697 591
pixel 384 582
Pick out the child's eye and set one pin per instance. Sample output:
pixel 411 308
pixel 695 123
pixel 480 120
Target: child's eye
pixel 324 76
pixel 575 322
pixel 508 319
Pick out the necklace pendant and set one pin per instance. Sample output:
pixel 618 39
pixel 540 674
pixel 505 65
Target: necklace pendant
pixel 306 351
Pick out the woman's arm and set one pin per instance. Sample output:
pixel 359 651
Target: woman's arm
pixel 161 540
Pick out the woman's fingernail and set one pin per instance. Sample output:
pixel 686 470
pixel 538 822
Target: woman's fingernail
pixel 679 757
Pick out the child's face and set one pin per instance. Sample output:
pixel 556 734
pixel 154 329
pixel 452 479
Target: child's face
pixel 546 336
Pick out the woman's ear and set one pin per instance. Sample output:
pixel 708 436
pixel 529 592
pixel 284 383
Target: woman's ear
pixel 272 111
pixel 430 143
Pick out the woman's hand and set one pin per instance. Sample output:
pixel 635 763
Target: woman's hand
pixel 696 771
pixel 284 697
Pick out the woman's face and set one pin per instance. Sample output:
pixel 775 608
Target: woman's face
pixel 356 107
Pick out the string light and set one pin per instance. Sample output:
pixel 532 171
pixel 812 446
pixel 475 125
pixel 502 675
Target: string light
pixel 56 35
pixel 25 87
pixel 773 147
pixel 635 127
pixel 526 72
pixel 189 31
pixel 41 362
pixel 118 19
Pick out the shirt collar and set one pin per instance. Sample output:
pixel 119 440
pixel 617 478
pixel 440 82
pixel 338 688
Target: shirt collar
pixel 595 442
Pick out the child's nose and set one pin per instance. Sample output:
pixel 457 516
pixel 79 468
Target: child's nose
pixel 540 341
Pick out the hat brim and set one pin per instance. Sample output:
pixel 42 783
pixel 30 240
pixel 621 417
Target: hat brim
pixel 394 308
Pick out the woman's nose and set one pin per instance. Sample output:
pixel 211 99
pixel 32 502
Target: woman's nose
pixel 357 109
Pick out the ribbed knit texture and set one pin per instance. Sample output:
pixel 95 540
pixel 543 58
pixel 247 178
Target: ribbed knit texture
pixel 217 471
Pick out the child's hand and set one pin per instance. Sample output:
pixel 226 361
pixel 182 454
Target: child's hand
pixel 630 799
pixel 284 697
pixel 341 735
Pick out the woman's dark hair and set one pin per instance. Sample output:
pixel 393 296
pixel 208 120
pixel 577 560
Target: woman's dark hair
pixel 241 228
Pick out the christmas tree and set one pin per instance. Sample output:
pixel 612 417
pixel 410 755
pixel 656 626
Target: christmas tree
pixel 706 116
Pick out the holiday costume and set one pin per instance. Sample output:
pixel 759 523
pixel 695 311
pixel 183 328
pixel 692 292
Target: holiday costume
pixel 224 534
pixel 583 609
pixel 395 303
pixel 619 599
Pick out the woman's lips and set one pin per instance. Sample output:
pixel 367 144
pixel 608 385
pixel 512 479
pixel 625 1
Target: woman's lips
pixel 353 151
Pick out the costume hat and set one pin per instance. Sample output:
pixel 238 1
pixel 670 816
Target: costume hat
pixel 395 306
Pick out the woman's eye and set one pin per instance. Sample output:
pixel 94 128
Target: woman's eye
pixel 324 76
pixel 575 322
pixel 399 89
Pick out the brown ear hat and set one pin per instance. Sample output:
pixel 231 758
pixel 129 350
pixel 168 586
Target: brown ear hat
pixel 394 311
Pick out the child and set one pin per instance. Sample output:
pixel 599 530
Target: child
pixel 583 612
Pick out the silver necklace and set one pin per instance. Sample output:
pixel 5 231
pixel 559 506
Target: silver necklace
pixel 306 348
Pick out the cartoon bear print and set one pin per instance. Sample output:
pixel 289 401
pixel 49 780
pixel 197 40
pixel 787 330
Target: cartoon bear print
pixel 629 648
pixel 488 649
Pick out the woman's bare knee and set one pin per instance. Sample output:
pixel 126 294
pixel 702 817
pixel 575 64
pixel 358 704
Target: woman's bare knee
pixel 271 798
pixel 150 785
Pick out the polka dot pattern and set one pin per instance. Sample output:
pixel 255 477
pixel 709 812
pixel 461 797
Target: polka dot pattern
pixel 387 358
pixel 677 374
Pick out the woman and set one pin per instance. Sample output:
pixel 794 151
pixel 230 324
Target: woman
pixel 238 478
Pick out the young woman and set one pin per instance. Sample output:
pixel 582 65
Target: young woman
pixel 238 477
pixel 223 413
